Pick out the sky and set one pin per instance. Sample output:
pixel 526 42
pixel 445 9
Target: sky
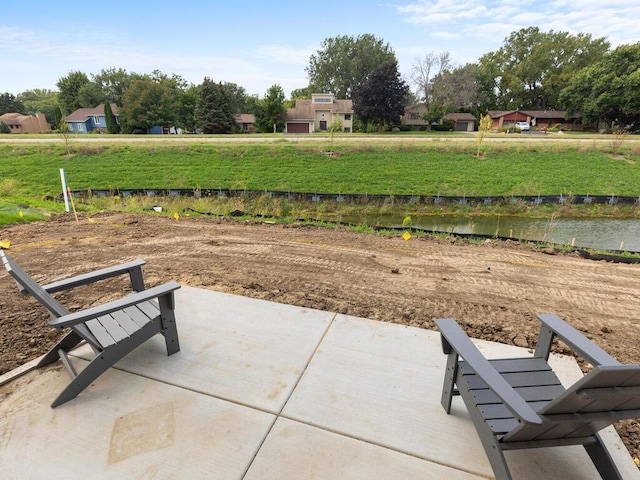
pixel 257 44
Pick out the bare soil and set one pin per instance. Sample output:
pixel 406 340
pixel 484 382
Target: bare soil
pixel 493 288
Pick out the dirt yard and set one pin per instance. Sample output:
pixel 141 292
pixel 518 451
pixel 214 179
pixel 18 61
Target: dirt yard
pixel 493 288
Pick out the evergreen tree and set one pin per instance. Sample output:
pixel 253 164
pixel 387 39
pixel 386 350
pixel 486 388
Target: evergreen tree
pixel 9 104
pixel 112 126
pixel 214 112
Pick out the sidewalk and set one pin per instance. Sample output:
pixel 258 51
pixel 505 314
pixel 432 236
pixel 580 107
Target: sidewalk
pixel 262 390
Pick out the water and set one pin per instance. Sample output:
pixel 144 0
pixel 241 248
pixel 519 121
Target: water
pixel 595 233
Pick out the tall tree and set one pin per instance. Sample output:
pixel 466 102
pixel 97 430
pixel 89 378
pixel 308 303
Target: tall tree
pixel 147 103
pixel 425 69
pixel 380 98
pixel 113 82
pixel 609 91
pixel 69 90
pixel 110 119
pixel 532 66
pixel 271 111
pixel 10 104
pixel 214 113
pixel 459 90
pixel 90 95
pixel 344 62
pixel 187 104
pixel 40 100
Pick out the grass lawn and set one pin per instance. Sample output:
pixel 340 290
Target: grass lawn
pixel 448 168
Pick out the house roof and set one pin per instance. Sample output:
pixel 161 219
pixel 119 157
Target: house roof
pixel 82 114
pixel 532 113
pixel 499 113
pixel 11 118
pixel 460 117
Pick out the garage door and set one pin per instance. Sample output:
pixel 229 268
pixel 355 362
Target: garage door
pixel 297 127
pixel 461 126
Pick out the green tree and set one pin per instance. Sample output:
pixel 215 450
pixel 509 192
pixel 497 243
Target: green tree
pixel 380 98
pixel 343 62
pixel 532 67
pixel 608 92
pixel 187 104
pixel 90 95
pixel 147 103
pixel 40 100
pixel 113 82
pixel 214 113
pixel 271 111
pixel 112 125
pixel 10 104
pixel 69 91
pixel 459 90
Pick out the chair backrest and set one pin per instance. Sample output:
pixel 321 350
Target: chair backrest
pixel 603 396
pixel 28 284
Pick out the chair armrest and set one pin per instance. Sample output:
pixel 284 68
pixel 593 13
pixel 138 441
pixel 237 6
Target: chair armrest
pixel 109 307
pixel 552 325
pixel 461 344
pixel 132 268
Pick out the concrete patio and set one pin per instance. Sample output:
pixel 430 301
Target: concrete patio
pixel 262 390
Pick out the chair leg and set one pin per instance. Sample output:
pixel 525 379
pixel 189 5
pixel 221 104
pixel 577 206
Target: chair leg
pixel 102 362
pixel 450 375
pixel 67 343
pixel 602 460
pixel 168 320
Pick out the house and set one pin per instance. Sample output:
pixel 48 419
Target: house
pixel 542 119
pixel 319 113
pixel 414 116
pixel 246 121
pixel 19 123
pixel 462 122
pixel 85 120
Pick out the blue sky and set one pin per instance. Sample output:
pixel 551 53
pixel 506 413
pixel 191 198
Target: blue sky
pixel 259 43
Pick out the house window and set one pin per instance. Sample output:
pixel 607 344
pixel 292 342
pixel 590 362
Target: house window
pixel 414 116
pixel 322 100
pixel 80 127
pixel 347 130
pixel 347 116
pixel 96 120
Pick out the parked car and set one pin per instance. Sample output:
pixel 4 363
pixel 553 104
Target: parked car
pixel 522 126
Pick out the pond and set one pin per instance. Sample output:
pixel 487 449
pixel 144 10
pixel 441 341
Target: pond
pixel 595 233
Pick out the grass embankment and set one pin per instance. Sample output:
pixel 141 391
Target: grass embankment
pixel 30 172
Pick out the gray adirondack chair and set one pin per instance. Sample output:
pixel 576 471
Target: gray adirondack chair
pixel 519 403
pixel 112 330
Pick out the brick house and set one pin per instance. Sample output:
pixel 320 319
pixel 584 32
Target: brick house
pixel 536 118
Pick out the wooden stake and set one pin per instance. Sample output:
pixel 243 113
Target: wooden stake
pixel 73 205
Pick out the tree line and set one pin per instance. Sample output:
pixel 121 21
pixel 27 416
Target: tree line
pixel 532 70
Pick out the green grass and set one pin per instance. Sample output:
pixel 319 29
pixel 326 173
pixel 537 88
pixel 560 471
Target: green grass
pixel 397 169
pixel 17 213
